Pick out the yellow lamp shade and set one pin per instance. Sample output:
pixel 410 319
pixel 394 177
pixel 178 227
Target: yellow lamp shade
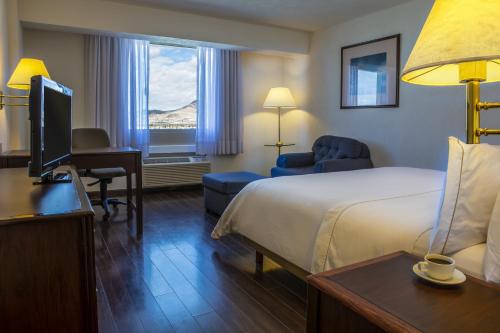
pixel 279 97
pixel 460 41
pixel 25 70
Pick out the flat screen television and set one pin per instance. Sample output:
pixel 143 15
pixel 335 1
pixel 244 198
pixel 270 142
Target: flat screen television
pixel 50 117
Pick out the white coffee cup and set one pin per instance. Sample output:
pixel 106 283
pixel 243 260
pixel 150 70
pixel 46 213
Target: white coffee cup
pixel 437 266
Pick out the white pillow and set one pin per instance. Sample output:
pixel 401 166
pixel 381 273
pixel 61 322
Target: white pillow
pixel 492 257
pixel 472 185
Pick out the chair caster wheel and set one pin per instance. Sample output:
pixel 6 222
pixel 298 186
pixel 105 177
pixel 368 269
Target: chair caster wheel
pixel 105 217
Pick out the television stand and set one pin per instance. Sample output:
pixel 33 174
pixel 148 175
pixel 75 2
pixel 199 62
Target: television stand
pixel 47 257
pixel 55 178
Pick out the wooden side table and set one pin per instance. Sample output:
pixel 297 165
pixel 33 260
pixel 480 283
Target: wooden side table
pixel 384 295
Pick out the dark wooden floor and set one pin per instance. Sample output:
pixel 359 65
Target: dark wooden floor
pixel 177 279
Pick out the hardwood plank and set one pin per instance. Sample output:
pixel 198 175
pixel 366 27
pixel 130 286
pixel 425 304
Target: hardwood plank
pixel 178 273
pixel 217 300
pixel 120 303
pixel 283 311
pixel 139 255
pixel 274 276
pixel 145 305
pixel 177 314
pixel 105 319
pixel 213 266
pixel 267 321
pixel 212 323
pixel 288 288
pixel 139 265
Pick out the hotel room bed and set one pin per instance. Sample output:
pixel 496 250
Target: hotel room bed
pixel 322 221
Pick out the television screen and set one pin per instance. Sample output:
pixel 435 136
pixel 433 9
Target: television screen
pixel 56 125
pixel 50 115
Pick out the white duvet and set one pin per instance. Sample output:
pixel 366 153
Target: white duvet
pixel 327 220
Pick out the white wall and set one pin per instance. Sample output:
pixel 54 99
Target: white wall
pixel 415 134
pixel 114 17
pixel 63 57
pixel 101 16
pixel 261 72
pixel 13 120
pixel 4 66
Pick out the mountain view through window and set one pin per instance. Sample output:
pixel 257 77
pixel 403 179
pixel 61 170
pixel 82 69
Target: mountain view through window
pixel 172 87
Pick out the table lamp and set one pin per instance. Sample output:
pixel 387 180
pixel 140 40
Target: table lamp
pixel 460 45
pixel 278 98
pixel 21 78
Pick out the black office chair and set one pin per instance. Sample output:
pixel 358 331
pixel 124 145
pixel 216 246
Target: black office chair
pixel 91 138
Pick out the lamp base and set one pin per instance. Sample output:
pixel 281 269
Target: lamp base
pixel 474 108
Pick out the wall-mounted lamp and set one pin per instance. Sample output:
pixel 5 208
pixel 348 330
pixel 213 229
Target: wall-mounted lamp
pixel 21 79
pixel 460 44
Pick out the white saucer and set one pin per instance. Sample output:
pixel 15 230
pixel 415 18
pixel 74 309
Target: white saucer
pixel 458 277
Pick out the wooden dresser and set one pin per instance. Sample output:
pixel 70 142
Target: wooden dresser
pixel 47 271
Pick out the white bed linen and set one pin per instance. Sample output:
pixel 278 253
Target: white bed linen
pixel 471 260
pixel 323 221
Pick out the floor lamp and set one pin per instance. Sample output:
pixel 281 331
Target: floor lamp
pixel 279 98
pixel 460 45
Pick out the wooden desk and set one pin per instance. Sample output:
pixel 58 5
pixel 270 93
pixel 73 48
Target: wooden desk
pixel 47 270
pixel 14 159
pixel 384 295
pixel 128 158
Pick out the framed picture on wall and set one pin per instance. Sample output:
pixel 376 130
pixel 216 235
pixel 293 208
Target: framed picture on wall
pixel 370 74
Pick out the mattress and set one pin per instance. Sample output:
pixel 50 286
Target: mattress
pixel 328 220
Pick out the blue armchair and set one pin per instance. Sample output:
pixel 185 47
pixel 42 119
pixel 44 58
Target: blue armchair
pixel 329 154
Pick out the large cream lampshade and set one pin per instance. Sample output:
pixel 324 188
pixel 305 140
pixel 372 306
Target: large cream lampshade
pixel 459 44
pixel 455 33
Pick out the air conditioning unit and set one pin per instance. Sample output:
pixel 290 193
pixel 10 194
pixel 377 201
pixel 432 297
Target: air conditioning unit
pixel 174 171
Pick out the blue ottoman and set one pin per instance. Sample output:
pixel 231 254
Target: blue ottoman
pixel 221 188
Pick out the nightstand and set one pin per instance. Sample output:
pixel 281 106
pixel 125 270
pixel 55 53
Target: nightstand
pixel 384 295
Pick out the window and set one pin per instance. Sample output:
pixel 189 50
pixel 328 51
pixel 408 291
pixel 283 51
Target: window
pixel 172 89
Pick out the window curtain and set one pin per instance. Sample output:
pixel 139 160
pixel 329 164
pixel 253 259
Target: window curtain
pixel 219 125
pixel 116 86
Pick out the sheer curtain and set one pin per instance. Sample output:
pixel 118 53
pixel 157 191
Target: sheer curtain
pixel 219 129
pixel 116 86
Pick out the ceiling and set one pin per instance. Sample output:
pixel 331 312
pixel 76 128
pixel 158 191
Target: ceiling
pixel 308 15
